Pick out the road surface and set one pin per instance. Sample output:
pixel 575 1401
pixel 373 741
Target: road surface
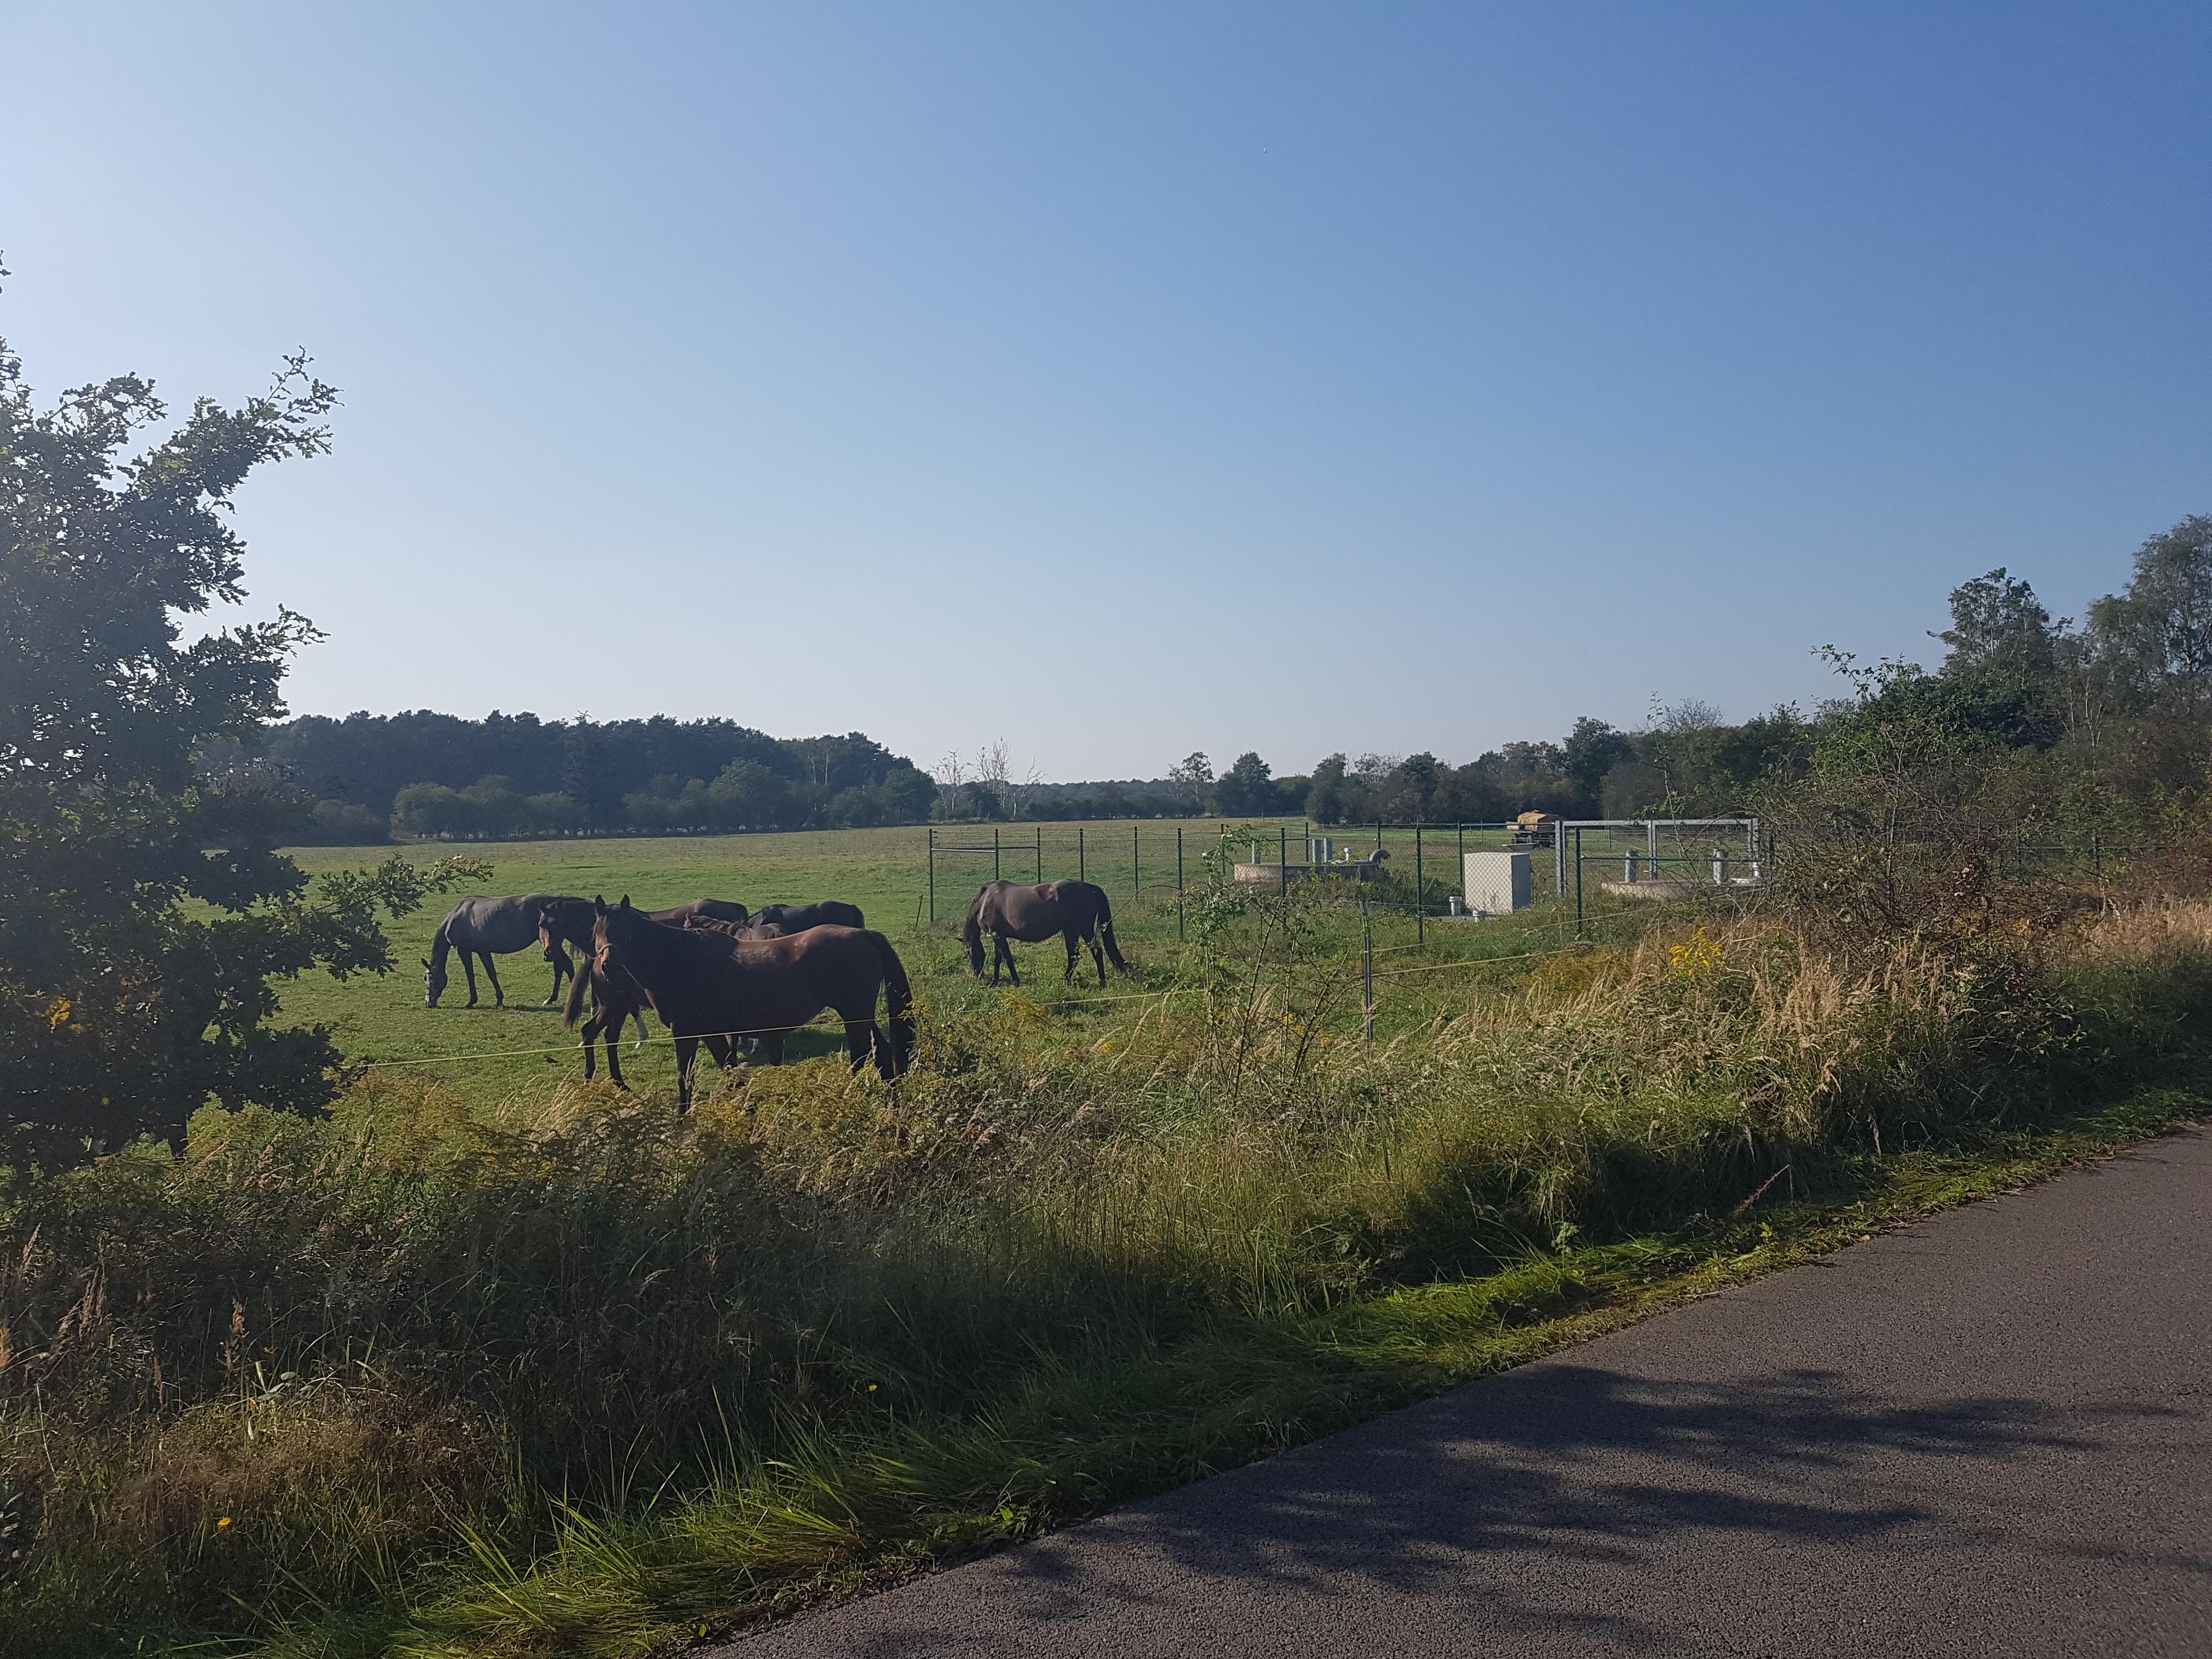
pixel 1983 1435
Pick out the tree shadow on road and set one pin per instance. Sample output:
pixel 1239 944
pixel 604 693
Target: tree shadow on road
pixel 1495 1494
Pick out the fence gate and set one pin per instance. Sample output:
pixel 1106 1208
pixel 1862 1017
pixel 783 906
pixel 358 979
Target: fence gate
pixel 998 850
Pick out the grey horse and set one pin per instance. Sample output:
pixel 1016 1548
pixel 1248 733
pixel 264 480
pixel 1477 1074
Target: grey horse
pixel 484 927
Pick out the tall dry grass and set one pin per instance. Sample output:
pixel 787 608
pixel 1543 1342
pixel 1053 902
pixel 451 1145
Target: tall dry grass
pixel 290 1385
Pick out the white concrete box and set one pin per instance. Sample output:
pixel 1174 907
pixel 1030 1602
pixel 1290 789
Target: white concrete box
pixel 1497 882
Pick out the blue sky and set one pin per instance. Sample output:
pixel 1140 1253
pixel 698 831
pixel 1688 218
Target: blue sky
pixel 1128 380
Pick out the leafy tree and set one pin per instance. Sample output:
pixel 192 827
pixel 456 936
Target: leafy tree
pixel 1418 777
pixel 2155 639
pixel 1194 775
pixel 1245 788
pixel 1999 627
pixel 143 912
pixel 1592 750
pixel 1325 798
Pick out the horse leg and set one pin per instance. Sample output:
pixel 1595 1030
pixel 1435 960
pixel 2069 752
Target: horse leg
pixel 862 1041
pixel 1098 955
pixel 724 1051
pixel 771 1044
pixel 498 996
pixel 605 1026
pixel 591 1029
pixel 1068 938
pixel 1004 952
pixel 563 968
pixel 687 1052
pixel 468 969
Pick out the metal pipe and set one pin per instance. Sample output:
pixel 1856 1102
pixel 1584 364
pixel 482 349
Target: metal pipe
pixel 1578 879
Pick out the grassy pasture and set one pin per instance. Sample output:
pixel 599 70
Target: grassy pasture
pixel 484 1052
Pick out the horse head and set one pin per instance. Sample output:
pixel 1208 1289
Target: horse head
pixel 434 981
pixel 549 930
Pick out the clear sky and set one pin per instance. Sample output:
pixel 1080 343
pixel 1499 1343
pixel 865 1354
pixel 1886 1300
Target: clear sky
pixel 1126 379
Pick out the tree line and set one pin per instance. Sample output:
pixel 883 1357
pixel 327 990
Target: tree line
pixel 426 774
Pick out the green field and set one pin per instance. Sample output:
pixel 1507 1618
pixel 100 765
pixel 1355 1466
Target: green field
pixel 487 1052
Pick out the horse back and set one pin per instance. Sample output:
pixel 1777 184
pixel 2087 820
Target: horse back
pixel 1033 912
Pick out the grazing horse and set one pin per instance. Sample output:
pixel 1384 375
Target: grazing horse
pixel 707 988
pixel 1076 910
pixel 797 917
pixel 486 926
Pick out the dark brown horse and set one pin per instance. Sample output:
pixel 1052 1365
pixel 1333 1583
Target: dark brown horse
pixel 613 997
pixel 563 921
pixel 1076 910
pixel 712 989
pixel 797 917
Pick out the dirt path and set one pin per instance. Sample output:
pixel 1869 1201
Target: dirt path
pixel 1986 1435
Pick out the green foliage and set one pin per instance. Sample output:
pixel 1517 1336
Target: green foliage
pixel 490 809
pixel 142 911
pixel 1999 628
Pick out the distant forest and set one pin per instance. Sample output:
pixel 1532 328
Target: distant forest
pixel 422 773
pixel 425 774
pixel 2132 687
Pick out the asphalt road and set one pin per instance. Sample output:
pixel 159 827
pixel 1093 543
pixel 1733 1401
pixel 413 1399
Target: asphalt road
pixel 1983 1435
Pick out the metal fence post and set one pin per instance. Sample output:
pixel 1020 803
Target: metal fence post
pixel 933 877
pixel 1578 881
pixel 1282 858
pixel 1366 974
pixel 1040 854
pixel 1136 871
pixel 1082 870
pixel 1420 903
pixel 1178 881
pixel 995 852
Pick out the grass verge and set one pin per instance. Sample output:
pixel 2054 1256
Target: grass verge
pixel 570 1374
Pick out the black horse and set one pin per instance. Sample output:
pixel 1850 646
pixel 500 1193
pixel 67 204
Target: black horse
pixel 1076 910
pixel 710 988
pixel 488 926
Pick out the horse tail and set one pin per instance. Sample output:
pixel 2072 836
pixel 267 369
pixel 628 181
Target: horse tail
pixel 971 935
pixel 899 995
pixel 1106 931
pixel 580 987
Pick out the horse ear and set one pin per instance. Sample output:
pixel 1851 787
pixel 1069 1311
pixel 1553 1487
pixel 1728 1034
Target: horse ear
pixel 599 905
pixel 625 904
pixel 426 961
